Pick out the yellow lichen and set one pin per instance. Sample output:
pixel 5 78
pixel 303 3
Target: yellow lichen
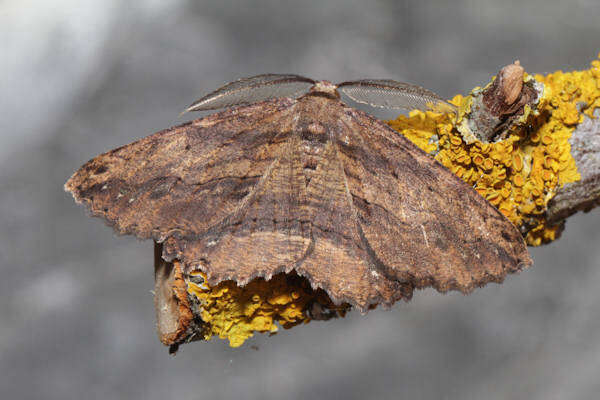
pixel 521 173
pixel 235 313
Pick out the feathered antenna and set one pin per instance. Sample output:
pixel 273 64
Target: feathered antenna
pixel 252 90
pixel 387 93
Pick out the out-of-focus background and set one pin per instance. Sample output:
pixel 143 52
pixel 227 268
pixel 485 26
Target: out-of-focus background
pixel 78 78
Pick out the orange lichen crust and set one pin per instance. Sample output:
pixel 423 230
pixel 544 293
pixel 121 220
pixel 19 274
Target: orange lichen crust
pixel 235 313
pixel 520 173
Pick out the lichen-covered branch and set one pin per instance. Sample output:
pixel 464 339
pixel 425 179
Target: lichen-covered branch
pixel 515 148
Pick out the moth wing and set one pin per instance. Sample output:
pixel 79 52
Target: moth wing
pixel 315 219
pixel 185 181
pixel 420 221
pixel 339 260
pixel 268 233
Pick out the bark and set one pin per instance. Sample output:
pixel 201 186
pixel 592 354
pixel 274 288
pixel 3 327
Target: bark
pixel 500 104
pixel 174 313
pixel 584 194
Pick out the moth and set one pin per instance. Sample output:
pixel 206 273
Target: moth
pixel 290 178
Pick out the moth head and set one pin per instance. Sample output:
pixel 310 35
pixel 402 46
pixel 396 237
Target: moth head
pixel 325 89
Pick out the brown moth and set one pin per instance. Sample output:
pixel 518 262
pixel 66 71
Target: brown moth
pixel 284 181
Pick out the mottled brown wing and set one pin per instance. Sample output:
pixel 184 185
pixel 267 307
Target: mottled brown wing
pixel 421 223
pixel 339 259
pixel 186 183
pixel 269 231
pixel 321 227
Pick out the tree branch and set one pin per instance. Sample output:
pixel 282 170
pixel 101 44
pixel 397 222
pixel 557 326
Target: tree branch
pixel 584 194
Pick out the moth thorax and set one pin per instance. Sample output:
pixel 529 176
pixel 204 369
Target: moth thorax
pixel 316 128
pixel 314 139
pixel 325 88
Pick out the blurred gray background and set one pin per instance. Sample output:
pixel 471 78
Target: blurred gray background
pixel 78 78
